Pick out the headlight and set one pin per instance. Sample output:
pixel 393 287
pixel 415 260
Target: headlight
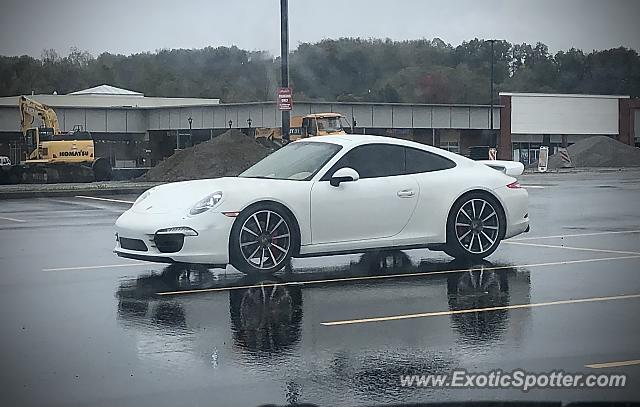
pixel 206 203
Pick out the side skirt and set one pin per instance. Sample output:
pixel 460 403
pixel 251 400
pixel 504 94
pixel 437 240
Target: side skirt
pixel 430 246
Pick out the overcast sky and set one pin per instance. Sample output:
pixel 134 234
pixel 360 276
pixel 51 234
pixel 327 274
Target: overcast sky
pixel 130 26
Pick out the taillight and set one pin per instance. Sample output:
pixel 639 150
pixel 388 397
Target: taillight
pixel 514 185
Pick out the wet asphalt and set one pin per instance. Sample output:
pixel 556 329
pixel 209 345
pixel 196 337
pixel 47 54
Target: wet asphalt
pixel 80 326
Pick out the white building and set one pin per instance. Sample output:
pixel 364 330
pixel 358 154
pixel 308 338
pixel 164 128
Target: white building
pixel 529 120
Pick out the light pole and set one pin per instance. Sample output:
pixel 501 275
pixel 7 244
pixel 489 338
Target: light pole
pixel 190 120
pixel 493 141
pixel 284 62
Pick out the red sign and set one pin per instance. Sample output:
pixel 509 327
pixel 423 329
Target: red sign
pixel 285 99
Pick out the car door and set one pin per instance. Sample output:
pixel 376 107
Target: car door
pixel 378 205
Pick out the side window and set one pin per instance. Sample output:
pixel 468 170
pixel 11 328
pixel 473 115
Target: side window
pixel 372 161
pixel 311 127
pixel 424 161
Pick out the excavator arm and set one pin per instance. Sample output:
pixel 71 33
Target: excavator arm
pixel 30 109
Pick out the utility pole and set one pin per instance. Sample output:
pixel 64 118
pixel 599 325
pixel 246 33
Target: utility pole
pixel 493 138
pixel 284 62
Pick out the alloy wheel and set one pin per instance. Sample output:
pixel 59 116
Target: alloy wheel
pixel 265 239
pixel 477 226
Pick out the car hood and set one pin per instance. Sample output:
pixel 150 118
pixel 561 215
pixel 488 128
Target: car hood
pixel 181 196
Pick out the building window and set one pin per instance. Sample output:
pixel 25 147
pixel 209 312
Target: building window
pixel 528 153
pixel 452 146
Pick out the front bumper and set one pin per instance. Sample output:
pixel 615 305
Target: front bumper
pixel 210 246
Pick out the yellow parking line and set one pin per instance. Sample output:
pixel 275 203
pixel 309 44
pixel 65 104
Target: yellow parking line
pixel 552 246
pixel 574 235
pixel 388 276
pixel 614 364
pixel 487 309
pixel 103 199
pixel 12 219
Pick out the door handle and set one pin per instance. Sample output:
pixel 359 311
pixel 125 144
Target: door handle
pixel 406 193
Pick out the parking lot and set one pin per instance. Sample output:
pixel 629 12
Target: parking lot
pixel 82 326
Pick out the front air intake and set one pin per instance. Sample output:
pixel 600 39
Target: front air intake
pixel 169 242
pixel 133 244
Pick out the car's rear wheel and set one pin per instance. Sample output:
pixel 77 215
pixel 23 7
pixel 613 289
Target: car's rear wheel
pixel 475 226
pixel 262 239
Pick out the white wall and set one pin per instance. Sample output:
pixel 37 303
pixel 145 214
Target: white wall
pixel 564 114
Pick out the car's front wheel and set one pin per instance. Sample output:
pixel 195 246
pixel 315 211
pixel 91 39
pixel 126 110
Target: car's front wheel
pixel 262 239
pixel 475 226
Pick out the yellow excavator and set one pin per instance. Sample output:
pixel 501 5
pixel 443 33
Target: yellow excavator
pixel 54 156
pixel 316 124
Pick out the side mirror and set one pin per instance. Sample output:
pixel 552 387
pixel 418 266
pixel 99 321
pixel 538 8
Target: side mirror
pixel 345 174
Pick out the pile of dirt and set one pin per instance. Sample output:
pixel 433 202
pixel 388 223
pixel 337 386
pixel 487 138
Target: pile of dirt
pixel 226 155
pixel 599 151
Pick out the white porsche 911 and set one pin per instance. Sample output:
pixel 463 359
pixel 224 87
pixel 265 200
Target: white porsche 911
pixel 329 195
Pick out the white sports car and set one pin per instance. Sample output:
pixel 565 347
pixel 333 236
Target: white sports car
pixel 329 195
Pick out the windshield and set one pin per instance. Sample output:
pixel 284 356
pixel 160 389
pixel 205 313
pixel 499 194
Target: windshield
pixel 296 161
pixel 329 124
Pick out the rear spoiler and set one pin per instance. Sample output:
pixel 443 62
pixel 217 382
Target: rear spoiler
pixel 512 168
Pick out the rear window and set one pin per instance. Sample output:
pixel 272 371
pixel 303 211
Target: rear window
pixel 417 161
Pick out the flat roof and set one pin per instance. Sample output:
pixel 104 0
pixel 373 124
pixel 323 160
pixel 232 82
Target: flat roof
pixel 110 101
pixel 324 102
pixel 152 102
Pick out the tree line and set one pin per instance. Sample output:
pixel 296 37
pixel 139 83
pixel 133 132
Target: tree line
pixel 347 69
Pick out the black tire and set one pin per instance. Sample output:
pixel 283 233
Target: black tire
pixel 486 226
pixel 263 239
pixel 102 169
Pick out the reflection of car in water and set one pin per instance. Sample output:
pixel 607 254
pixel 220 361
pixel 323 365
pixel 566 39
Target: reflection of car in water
pixel 477 289
pixel 267 317
pixel 253 324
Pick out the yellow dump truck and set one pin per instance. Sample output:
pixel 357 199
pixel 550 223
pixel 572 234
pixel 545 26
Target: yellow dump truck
pixel 316 124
